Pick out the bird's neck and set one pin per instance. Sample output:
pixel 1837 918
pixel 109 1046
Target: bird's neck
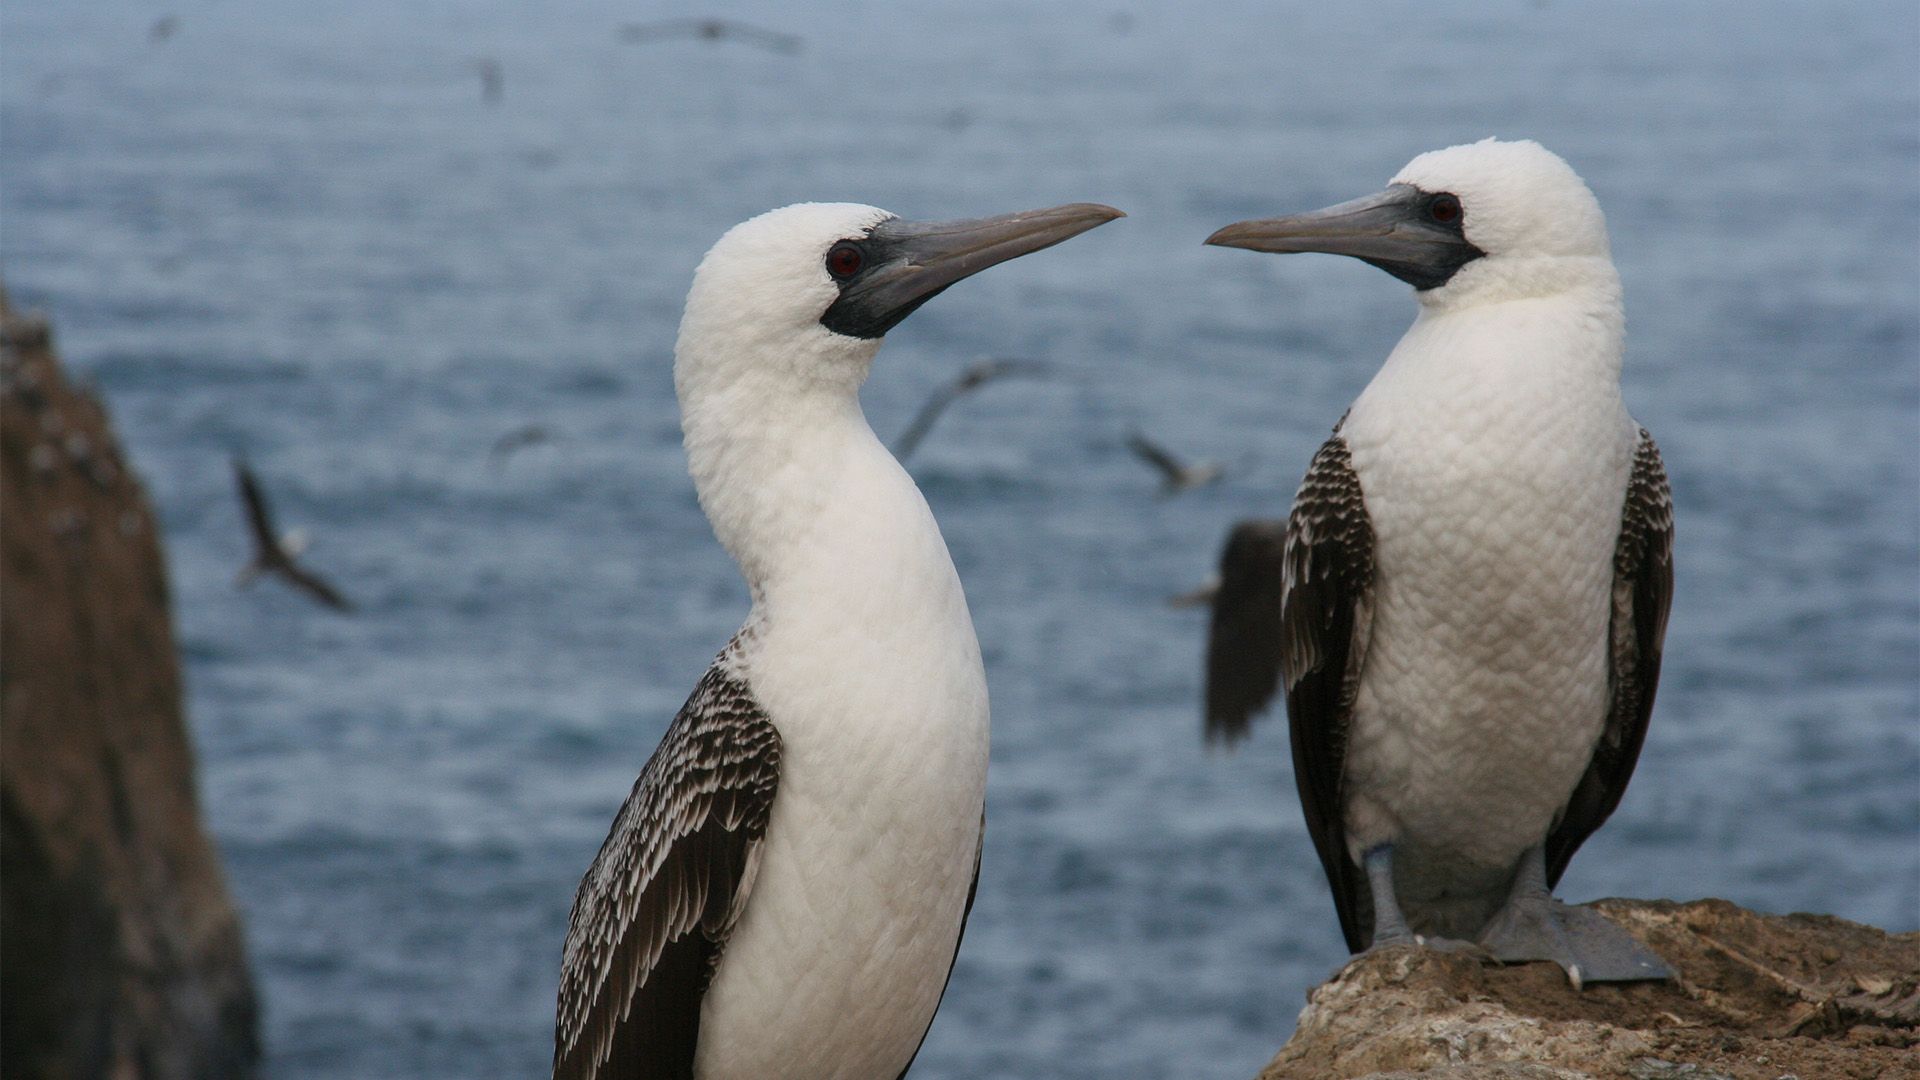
pixel 1588 281
pixel 1481 364
pixel 767 453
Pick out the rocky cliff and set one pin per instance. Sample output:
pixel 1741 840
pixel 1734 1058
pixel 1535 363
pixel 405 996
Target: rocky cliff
pixel 1759 997
pixel 123 952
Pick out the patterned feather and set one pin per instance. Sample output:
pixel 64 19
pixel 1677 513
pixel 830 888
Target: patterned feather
pixel 652 916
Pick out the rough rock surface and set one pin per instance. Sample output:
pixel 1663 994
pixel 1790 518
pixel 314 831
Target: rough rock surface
pixel 123 953
pixel 1759 997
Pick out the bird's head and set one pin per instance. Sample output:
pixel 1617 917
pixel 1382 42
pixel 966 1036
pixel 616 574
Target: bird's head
pixel 1483 220
pixel 803 295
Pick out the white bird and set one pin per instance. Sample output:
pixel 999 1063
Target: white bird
pixel 1476 573
pixel 783 892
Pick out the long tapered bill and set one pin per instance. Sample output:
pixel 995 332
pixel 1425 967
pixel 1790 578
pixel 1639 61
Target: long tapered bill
pixel 915 260
pixel 1390 229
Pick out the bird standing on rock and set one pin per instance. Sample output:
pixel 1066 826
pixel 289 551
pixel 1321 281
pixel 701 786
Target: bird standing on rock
pixel 783 892
pixel 1476 572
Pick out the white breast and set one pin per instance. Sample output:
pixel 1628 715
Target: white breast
pixel 864 656
pixel 1493 452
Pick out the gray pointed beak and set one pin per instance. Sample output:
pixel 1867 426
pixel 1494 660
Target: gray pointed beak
pixel 914 261
pixel 1391 230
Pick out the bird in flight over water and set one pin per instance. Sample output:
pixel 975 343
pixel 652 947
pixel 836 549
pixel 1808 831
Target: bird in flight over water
pixel 1176 476
pixel 714 30
pixel 274 552
pixel 978 374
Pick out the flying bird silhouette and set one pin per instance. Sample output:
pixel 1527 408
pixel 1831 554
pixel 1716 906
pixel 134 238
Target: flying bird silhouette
pixel 1176 475
pixel 275 554
pixel 493 79
pixel 977 374
pixel 517 440
pixel 714 30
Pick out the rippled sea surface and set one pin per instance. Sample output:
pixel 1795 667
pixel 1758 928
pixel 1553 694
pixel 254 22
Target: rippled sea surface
pixel 296 231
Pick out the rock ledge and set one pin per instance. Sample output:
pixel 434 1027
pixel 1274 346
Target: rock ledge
pixel 1759 997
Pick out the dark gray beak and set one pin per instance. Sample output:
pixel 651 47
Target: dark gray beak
pixel 1395 230
pixel 910 262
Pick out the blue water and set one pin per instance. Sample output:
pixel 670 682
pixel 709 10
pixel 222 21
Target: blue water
pixel 295 230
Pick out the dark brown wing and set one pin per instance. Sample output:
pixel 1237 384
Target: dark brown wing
pixel 1243 639
pixel 962 936
pixel 312 584
pixel 1326 619
pixel 1642 593
pixel 654 912
pixel 1157 456
pixel 259 516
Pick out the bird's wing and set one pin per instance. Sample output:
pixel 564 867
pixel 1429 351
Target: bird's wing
pixel 1243 639
pixel 981 372
pixel 1642 593
pixel 967 911
pixel 772 39
pixel 1157 456
pixel 259 516
pixel 1326 621
pixel 655 910
pixel 312 584
pixel 923 420
pixel 661 28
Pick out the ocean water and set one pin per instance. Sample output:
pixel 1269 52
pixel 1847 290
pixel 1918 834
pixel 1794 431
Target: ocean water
pixel 296 231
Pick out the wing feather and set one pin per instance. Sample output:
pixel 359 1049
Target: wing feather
pixel 1326 617
pixel 653 913
pixel 1243 638
pixel 259 516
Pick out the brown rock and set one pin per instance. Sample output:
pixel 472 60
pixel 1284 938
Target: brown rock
pixel 1759 997
pixel 123 953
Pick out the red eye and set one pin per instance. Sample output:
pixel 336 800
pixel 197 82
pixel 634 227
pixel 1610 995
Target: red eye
pixel 845 260
pixel 1444 209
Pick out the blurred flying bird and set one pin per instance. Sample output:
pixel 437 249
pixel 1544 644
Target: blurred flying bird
pixel 493 79
pixel 977 374
pixel 275 553
pixel 1176 476
pixel 163 28
pixel 517 440
pixel 1244 595
pixel 1467 610
pixel 714 30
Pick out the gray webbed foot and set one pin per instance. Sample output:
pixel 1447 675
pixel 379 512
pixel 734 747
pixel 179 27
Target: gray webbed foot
pixel 1587 945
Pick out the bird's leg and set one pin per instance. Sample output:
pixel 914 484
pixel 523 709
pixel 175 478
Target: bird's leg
pixel 1532 925
pixel 1389 925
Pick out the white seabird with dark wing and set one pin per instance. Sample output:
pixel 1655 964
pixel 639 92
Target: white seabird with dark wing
pixel 784 891
pixel 1176 476
pixel 277 553
pixel 1474 583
